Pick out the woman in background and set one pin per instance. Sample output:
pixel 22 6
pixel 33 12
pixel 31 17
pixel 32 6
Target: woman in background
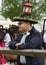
pixel 2 56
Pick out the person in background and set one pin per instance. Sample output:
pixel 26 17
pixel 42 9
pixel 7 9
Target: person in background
pixel 2 56
pixel 7 38
pixel 29 38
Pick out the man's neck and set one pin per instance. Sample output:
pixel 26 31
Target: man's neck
pixel 29 28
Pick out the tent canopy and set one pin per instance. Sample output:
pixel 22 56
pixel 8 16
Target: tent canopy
pixel 4 22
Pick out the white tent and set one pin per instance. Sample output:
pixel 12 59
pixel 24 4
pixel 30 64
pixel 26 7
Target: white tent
pixel 4 22
pixel 15 23
pixel 38 27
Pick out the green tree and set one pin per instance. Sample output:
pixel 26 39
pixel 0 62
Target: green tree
pixel 12 8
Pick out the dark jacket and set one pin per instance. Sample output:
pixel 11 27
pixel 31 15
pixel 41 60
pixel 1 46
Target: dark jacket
pixel 32 41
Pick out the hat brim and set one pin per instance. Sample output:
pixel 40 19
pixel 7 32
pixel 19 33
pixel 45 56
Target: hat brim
pixel 24 20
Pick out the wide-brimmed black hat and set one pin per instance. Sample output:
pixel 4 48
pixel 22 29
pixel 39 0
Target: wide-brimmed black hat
pixel 25 19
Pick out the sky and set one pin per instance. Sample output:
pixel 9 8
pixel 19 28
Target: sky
pixel 1 17
pixel 0 3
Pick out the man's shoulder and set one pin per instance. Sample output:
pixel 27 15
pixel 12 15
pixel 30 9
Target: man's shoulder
pixel 35 32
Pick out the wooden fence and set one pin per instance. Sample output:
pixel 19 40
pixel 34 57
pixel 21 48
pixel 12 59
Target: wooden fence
pixel 25 52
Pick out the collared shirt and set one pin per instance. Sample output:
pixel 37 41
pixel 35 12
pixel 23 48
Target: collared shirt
pixel 22 58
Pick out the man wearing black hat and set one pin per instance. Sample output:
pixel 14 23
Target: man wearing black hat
pixel 29 38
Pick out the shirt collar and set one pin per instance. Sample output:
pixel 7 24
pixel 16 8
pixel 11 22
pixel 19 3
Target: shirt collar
pixel 27 31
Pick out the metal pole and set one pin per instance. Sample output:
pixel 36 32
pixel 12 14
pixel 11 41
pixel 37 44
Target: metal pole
pixel 43 26
pixel 43 31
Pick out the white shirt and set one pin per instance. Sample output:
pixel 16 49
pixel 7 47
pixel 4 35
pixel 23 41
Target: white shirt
pixel 44 38
pixel 22 58
pixel 7 39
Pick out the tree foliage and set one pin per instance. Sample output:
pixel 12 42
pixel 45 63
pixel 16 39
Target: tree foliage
pixel 12 8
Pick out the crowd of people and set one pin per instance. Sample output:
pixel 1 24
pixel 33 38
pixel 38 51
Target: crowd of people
pixel 6 35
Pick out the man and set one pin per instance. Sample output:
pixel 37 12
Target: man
pixel 29 38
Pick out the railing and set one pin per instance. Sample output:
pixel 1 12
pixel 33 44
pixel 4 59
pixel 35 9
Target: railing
pixel 25 52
